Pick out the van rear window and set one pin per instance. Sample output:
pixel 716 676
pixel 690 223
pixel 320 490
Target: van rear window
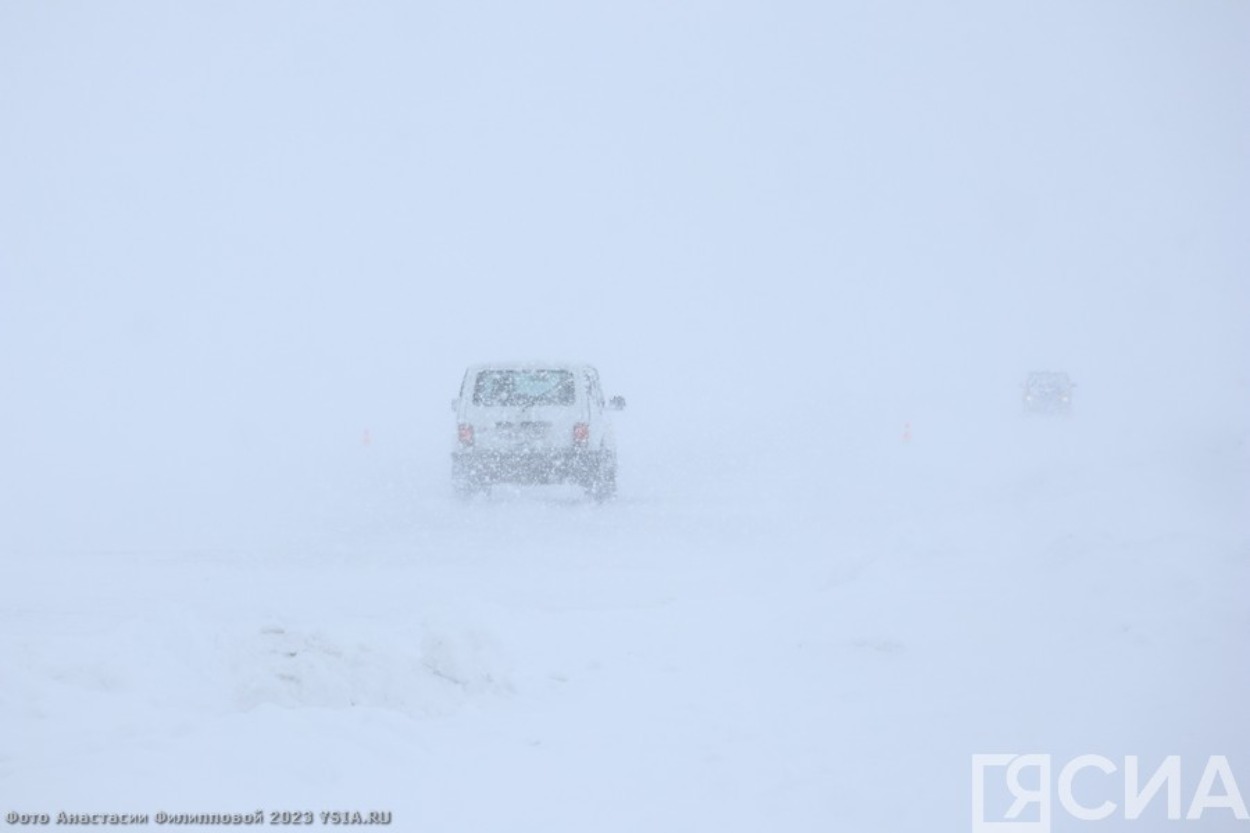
pixel 522 388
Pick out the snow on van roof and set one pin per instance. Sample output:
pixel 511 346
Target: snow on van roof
pixel 529 365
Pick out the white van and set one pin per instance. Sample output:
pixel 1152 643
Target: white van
pixel 534 423
pixel 1048 392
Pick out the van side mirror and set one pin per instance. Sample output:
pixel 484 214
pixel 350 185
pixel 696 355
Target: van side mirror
pixel 616 403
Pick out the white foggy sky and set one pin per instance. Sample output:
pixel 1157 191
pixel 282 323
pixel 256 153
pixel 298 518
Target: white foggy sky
pixel 230 227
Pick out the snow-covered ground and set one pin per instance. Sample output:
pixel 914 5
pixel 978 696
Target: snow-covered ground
pixel 703 653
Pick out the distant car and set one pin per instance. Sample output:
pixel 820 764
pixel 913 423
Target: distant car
pixel 1048 392
pixel 534 423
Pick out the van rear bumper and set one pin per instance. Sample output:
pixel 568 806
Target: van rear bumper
pixel 481 468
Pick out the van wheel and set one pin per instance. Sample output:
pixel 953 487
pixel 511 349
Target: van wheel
pixel 464 483
pixel 603 485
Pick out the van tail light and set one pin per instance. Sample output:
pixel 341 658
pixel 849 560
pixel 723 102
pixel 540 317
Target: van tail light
pixel 581 434
pixel 465 434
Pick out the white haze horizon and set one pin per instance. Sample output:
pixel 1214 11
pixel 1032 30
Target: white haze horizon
pixel 247 250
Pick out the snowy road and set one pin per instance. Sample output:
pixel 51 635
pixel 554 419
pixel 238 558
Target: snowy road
pixel 706 654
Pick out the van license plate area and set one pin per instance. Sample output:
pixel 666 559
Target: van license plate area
pixel 522 431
